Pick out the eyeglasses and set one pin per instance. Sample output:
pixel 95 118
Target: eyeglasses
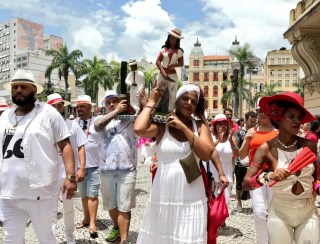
pixel 85 125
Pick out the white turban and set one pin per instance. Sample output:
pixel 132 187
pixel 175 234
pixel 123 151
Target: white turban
pixel 187 88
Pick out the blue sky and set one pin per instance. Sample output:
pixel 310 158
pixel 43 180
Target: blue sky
pixel 122 29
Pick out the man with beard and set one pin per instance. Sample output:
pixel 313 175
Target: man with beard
pixel 78 139
pixel 118 155
pixel 89 188
pixel 29 168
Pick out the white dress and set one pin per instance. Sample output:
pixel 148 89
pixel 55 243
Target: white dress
pixel 176 211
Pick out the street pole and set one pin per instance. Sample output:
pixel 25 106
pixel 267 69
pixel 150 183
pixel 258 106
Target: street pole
pixel 249 89
pixel 240 95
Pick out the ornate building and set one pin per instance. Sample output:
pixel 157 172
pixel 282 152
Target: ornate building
pixel 282 68
pixel 209 72
pixel 304 35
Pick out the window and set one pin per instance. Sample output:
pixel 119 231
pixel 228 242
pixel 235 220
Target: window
pixel 271 60
pixel 215 104
pixel 287 72
pixel 279 72
pixel 215 76
pixel 196 63
pixel 224 89
pixel 287 83
pixel 255 87
pixel 18 59
pixel 288 60
pixel 279 60
pixel 206 76
pixel 24 58
pixel 261 87
pixel 272 72
pixel 206 91
pixel 196 76
pixel 295 72
pixel 215 91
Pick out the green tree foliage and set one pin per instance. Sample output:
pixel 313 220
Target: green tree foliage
pixel 65 61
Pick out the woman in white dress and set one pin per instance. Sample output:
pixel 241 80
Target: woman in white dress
pixel 226 146
pixel 176 211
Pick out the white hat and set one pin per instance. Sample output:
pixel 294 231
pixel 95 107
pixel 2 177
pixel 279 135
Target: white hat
pixel 56 98
pixel 23 76
pixel 3 104
pixel 85 99
pixel 175 32
pixel 219 117
pixel 132 61
pixel 258 105
pixel 108 95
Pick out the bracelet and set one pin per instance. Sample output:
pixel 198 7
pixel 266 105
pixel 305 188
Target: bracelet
pixel 254 183
pixel 147 106
pixel 259 166
pixel 268 176
pixel 192 142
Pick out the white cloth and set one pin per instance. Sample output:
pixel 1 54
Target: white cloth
pixel 77 139
pixel 119 145
pixel 187 88
pixel 261 198
pixel 225 153
pixel 169 58
pixel 17 212
pixel 137 77
pixel 176 211
pixel 41 134
pixel 92 147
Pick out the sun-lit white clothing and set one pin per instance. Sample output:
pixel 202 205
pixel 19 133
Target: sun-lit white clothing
pixel 77 139
pixel 295 215
pixel 176 211
pixel 135 77
pixel 92 147
pixel 119 145
pixel 39 143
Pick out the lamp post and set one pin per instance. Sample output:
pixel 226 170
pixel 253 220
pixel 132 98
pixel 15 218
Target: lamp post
pixel 254 70
pixel 235 65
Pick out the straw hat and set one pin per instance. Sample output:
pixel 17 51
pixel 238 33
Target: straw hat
pixel 85 99
pixel 175 32
pixel 218 118
pixel 23 76
pixel 109 94
pixel 56 98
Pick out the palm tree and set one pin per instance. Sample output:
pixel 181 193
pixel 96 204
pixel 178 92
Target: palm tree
pixel 230 95
pixel 269 90
pixel 244 56
pixel 299 88
pixel 64 61
pixel 97 74
pixel 150 77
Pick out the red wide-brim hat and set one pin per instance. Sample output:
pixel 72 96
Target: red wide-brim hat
pixel 291 97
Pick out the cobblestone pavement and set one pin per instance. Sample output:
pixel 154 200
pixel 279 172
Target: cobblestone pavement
pixel 239 226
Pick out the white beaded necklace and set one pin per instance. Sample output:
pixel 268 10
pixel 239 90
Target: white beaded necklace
pixel 289 146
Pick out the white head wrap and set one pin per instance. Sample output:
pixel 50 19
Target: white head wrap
pixel 187 88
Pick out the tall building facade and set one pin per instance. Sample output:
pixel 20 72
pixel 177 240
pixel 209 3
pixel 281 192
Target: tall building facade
pixel 282 68
pixel 23 46
pixel 210 73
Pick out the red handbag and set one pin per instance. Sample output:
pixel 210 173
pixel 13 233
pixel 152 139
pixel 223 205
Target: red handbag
pixel 217 207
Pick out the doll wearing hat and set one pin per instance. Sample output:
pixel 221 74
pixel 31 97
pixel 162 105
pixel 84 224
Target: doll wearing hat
pixel 135 79
pixel 170 57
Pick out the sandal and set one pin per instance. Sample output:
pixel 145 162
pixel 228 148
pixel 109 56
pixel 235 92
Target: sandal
pixel 81 225
pixel 93 234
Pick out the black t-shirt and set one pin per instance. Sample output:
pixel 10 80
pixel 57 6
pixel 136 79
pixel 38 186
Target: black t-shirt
pixel 239 135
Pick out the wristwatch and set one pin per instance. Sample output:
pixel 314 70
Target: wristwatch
pixel 72 178
pixel 261 178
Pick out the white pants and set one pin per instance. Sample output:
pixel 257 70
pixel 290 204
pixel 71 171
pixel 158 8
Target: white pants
pixel 16 212
pixel 171 86
pixel 293 221
pixel 68 217
pixel 261 199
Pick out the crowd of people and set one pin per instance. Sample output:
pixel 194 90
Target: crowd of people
pixel 46 156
